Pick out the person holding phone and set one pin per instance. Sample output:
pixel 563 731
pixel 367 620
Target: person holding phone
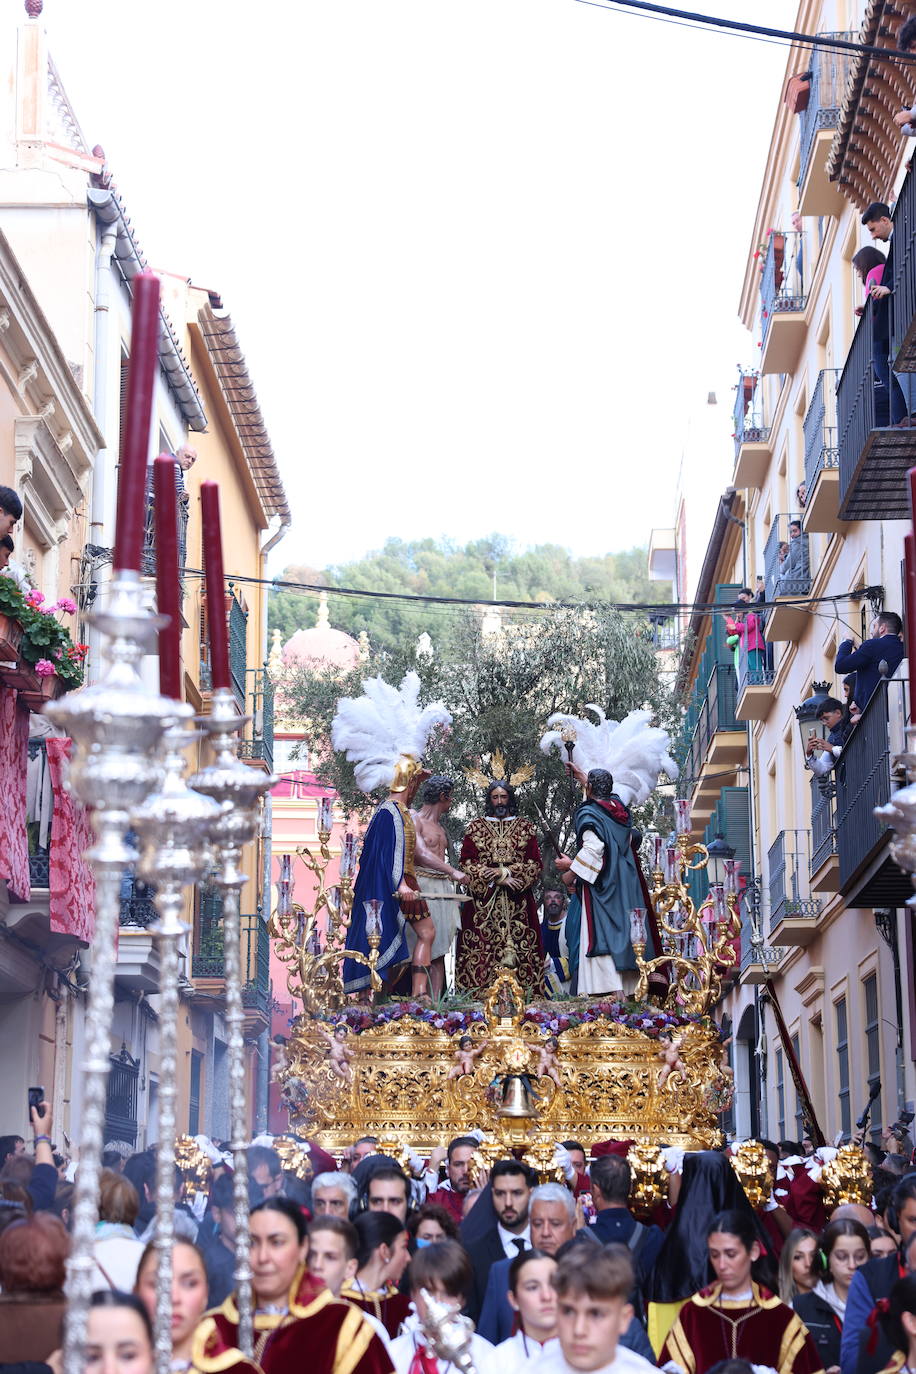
pixel 42 1186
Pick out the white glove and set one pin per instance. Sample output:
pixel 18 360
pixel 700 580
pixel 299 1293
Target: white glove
pixel 417 1165
pixel 673 1156
pixel 199 1205
pixel 476 1134
pixel 206 1146
pixel 267 1140
pixel 562 1159
pixel 770 1205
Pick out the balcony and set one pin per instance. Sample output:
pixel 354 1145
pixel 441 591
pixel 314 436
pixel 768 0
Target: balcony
pixel 817 195
pixel 148 557
pixel 825 864
pixel 719 740
pixel 782 302
pixel 752 433
pixel 903 278
pixel 787 578
pixel 793 912
pixel 257 746
pixel 868 875
pixel 755 685
pixel 874 458
pixel 757 961
pixel 208 964
pixel 822 458
pixel 138 951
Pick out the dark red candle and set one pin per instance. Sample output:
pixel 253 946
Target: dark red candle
pixel 215 584
pixel 135 422
pixel 168 594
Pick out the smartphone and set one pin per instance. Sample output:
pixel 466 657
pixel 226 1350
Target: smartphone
pixel 36 1097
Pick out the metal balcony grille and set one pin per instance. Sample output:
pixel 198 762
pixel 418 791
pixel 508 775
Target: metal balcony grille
pixel 716 711
pixel 748 413
pixel 820 427
pixel 788 870
pixel 786 560
pixel 782 284
pixel 823 826
pixel 829 74
pixel 238 648
pixel 121 1097
pixel 259 741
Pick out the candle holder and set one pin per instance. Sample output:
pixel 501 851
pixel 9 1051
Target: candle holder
pixel 238 789
pixel 117 726
pixel 174 827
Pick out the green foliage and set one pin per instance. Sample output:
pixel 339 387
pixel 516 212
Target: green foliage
pixel 547 573
pixel 501 690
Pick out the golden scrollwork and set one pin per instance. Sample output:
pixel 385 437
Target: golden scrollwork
pixel 847 1178
pixel 750 1163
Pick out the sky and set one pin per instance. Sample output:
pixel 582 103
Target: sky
pixel 483 256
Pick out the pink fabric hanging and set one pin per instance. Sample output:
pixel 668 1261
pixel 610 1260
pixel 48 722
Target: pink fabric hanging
pixel 72 885
pixel 14 754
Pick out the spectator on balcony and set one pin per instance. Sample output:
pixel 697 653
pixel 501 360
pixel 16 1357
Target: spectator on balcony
pixel 890 405
pixel 831 713
pixel 10 510
pixel 745 635
pixel 885 646
pixel 852 712
pixel 794 567
pixel 906 41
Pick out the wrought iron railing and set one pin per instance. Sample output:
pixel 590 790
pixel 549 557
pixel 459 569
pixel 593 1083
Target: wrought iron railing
pixel 137 905
pixel 752 666
pixel 750 425
pixel 259 733
pixel 829 73
pixel 209 959
pixel 716 712
pixel 39 814
pixel 786 559
pixel 788 872
pixel 121 1097
pixel 148 557
pixel 857 413
pixel 782 286
pixel 903 269
pixel 823 824
pixel 238 647
pixel 820 428
pixel 863 777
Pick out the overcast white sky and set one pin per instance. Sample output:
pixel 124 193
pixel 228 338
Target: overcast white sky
pixel 484 256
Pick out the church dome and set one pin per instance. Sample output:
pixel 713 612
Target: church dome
pixel 322 644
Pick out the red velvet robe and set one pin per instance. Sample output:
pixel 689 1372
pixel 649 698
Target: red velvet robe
pixel 765 1331
pixel 499 926
pixel 452 1202
pixel 389 1307
pixel 318 1333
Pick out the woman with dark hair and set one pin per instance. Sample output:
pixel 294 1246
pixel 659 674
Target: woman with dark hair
pixel 708 1185
pixel 430 1224
pixel 119 1334
pixel 890 405
pixel 736 1317
pixel 298 1324
pixel 381 1260
pixel 796 1271
pixel 844 1246
pixel 33 1259
pixel 899 1325
pixel 190 1334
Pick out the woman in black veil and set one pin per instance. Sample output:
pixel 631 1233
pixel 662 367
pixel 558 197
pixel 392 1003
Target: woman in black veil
pixel 709 1185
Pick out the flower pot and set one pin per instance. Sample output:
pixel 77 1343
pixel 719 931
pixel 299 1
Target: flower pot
pixel 10 637
pixel 40 690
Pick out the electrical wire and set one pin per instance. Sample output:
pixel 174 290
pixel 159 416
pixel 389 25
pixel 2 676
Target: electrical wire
pixel 759 32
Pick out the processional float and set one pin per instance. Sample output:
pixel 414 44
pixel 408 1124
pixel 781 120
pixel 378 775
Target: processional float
pixel 129 770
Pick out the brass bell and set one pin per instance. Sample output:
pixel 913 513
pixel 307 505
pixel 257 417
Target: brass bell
pixel 516 1098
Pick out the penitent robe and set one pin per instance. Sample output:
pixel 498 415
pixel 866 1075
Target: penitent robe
pixel 318 1333
pixel 499 926
pixel 607 890
pixel 762 1330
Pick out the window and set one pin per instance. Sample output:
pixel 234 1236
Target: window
pixel 194 1099
pixel 799 1114
pixel 873 1049
pixel 780 1095
pixel 842 1056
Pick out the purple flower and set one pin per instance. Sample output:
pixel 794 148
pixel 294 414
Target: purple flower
pixel 44 668
pixel 67 604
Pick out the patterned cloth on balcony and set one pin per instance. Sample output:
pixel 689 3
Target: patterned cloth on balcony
pixel 14 750
pixel 72 886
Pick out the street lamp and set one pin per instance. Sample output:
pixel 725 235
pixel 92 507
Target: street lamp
pixel 718 850
pixel 808 724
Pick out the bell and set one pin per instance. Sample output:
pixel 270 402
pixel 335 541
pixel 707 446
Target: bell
pixel 516 1098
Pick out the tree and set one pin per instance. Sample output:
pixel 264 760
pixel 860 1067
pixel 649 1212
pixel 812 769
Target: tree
pixel 501 690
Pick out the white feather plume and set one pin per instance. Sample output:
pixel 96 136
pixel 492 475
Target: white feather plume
pixel 634 751
pixel 373 730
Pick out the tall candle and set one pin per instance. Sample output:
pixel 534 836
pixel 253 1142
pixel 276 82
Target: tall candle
pixel 909 553
pixel 215 585
pixel 165 516
pixel 135 422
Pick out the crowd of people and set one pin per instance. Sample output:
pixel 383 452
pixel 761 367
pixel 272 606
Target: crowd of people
pixel 558 1275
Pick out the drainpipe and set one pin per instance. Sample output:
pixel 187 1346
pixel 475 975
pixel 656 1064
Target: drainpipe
pixel 101 339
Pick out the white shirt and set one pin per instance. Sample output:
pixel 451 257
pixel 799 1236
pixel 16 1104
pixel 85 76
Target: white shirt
pixel 518 1351
pixel 587 863
pixel 624 1362
pixel 403 1348
pixel 507 1240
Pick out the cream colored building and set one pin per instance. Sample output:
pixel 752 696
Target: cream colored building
pixel 834 935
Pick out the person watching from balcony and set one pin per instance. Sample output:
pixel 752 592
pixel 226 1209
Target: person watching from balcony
pixel 831 713
pixel 906 42
pixel 745 635
pixel 885 646
pixel 801 494
pixel 890 405
pixel 796 564
pixel 10 510
pixel 8 568
pixel 851 712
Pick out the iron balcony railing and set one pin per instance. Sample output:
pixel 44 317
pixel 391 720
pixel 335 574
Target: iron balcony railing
pixel 820 428
pixel 238 647
pixel 782 285
pixel 148 557
pixel 863 777
pixel 786 559
pixel 750 425
pixel 39 814
pixel 752 666
pixel 209 959
pixel 259 733
pixel 829 74
pixel 788 870
pixel 121 1097
pixel 823 825
pixel 857 411
pixel 137 906
pixel 903 276
pixel 716 712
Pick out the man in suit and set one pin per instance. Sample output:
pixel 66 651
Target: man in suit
pixel 552 1212
pixel 885 645
pixel 509 1233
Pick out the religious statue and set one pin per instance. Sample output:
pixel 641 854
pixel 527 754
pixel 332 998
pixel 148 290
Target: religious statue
pixel 670 1053
pixel 384 733
pixel 499 926
pixel 547 1060
pixel 604 871
pixel 465 1057
pixel 435 875
pixel 339 1052
pixel 553 937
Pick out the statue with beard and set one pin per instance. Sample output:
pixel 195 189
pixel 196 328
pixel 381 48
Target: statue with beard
pixel 499 926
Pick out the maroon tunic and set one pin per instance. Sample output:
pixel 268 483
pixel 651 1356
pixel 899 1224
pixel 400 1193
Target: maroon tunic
pixel 763 1331
pixel 499 926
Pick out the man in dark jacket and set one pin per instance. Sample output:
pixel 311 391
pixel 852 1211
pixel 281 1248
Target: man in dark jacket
pixel 884 646
pixel 614 1222
pixel 863 1349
